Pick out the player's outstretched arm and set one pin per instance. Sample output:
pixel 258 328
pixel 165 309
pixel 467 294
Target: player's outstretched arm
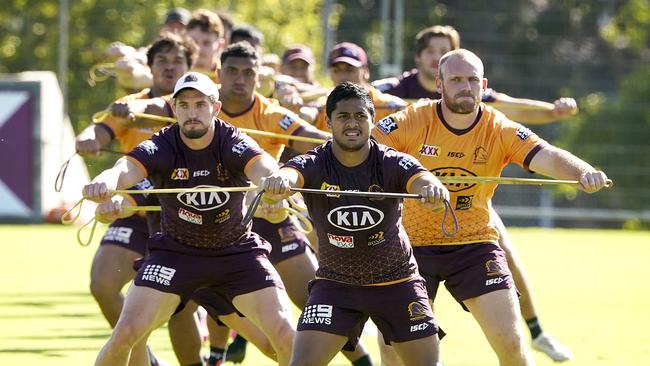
pixel 126 111
pixel 91 140
pixel 113 209
pixel 433 192
pixel 561 164
pixel 531 111
pixel 123 174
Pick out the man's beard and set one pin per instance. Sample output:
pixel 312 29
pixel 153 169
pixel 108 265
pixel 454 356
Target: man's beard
pixel 464 107
pixel 351 147
pixel 194 133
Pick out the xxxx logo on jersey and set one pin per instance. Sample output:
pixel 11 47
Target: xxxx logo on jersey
pixel 454 172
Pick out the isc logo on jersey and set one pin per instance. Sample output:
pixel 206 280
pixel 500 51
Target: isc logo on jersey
pixel 387 125
pixel 203 201
pixel 355 217
pixel 317 314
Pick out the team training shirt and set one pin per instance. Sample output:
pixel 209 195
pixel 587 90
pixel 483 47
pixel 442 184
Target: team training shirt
pixel 209 220
pixel 131 137
pixel 385 105
pixel 264 115
pixel 483 149
pixel 361 240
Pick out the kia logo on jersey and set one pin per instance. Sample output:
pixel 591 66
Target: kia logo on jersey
pixel 203 201
pixel 355 217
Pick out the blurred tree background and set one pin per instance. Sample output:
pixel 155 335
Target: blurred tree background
pixel 594 50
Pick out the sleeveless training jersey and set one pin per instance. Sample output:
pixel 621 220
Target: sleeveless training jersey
pixel 361 240
pixel 205 220
pixel 483 149
pixel 131 137
pixel 267 116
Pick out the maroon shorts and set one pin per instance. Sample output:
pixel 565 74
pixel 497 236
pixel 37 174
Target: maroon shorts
pixel 469 270
pixel 211 281
pixel 131 233
pixel 285 238
pixel 401 311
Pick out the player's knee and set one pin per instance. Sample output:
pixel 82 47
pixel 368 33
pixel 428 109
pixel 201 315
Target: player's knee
pixel 126 334
pixel 511 347
pixel 282 336
pixel 102 287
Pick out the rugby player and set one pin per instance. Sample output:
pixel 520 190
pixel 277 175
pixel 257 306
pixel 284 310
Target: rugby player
pixel 242 107
pixel 430 44
pixel 206 29
pixel 203 245
pixel 366 266
pixel 461 135
pixel 169 57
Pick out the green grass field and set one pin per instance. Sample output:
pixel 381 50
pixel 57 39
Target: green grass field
pixel 592 289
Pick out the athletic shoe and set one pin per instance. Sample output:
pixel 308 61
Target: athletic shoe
pixel 552 348
pixel 208 362
pixel 236 350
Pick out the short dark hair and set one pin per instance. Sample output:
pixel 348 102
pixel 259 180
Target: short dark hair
pixel 424 36
pixel 169 41
pixel 347 90
pixel 206 21
pixel 249 33
pixel 239 49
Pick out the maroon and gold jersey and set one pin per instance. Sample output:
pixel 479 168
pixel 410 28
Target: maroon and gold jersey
pixel 266 115
pixel 385 105
pixel 361 240
pixel 131 137
pixel 200 220
pixel 483 149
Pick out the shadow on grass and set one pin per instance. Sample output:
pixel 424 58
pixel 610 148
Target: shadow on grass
pixel 59 336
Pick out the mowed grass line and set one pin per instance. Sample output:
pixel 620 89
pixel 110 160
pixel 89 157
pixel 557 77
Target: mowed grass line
pixel 591 287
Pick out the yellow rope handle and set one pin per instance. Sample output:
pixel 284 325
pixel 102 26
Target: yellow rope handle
pixel 68 213
pixel 94 76
pixel 100 116
pixel 296 205
pixel 306 226
pixel 92 232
